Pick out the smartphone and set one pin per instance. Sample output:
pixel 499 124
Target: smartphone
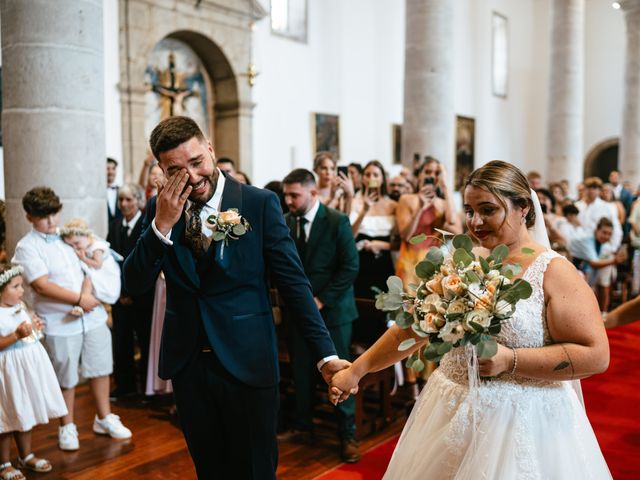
pixel 343 170
pixel 373 184
pixel 428 181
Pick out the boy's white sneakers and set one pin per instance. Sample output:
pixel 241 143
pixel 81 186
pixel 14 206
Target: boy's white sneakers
pixel 111 425
pixel 68 437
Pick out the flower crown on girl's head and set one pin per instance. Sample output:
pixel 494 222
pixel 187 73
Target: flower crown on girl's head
pixel 7 275
pixel 75 227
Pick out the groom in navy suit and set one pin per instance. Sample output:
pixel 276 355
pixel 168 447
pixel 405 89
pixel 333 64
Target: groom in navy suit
pixel 218 343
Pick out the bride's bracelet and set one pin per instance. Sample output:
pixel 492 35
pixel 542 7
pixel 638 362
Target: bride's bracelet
pixel 515 361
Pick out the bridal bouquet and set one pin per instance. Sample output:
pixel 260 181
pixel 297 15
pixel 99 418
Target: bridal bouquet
pixel 461 300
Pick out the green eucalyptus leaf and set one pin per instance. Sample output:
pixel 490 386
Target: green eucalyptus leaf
pixel 464 242
pixel 476 326
pixel 444 348
pixel 406 344
pixel 418 331
pixel 435 256
pixel 462 256
pixel 417 365
pixel 431 351
pixel 521 289
pixel 487 348
pixel 417 239
pixel 239 230
pixel 391 301
pixel 500 252
pixel 394 284
pixel 528 251
pixel 472 277
pixel 218 235
pixel 485 265
pixel 404 319
pixel 511 270
pixel 494 329
pixel 425 269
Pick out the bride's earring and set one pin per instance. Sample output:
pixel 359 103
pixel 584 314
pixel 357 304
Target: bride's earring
pixel 523 220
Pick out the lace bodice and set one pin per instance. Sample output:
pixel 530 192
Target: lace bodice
pixel 527 327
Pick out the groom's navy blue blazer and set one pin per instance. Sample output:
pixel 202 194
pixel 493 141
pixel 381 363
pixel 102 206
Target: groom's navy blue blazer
pixel 227 291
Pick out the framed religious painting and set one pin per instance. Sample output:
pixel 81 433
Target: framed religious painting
pixel 325 133
pixel 499 55
pixel 465 139
pixel 396 143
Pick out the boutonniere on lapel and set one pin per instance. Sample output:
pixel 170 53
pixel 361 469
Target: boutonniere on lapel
pixel 227 225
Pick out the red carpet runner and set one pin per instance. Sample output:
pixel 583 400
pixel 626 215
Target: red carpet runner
pixel 612 402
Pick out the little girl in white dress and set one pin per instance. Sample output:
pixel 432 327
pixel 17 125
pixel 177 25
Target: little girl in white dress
pixel 97 258
pixel 29 390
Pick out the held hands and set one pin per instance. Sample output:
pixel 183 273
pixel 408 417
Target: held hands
pixel 23 330
pixel 343 384
pixel 330 368
pixel 172 196
pixel 501 362
pixel 88 302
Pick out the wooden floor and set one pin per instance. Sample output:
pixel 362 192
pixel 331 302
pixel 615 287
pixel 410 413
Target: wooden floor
pixel 158 451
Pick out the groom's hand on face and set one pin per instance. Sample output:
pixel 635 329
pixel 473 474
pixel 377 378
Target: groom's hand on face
pixel 171 199
pixel 330 368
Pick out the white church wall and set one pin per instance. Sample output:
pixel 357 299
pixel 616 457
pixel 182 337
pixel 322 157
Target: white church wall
pixel 604 72
pixel 352 66
pixel 510 128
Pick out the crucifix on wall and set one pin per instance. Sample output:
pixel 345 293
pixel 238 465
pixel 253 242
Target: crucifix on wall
pixel 173 89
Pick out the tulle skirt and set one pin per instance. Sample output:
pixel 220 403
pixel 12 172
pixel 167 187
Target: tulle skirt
pixel 29 390
pixel 504 431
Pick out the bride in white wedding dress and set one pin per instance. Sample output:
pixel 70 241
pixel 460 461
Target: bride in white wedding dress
pixel 527 420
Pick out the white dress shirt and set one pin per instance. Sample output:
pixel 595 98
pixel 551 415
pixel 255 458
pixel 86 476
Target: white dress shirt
pixel 112 198
pixel 590 214
pixel 40 256
pixel 131 224
pixel 212 207
pixel 310 216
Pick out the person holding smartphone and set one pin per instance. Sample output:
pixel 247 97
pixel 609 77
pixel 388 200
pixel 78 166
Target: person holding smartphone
pixel 422 213
pixel 373 224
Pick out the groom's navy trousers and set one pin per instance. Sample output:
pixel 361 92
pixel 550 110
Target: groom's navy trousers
pixel 218 342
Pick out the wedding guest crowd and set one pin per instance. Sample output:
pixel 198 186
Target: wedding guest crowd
pixel 352 226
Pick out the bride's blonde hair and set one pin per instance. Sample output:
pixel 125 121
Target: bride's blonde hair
pixel 506 182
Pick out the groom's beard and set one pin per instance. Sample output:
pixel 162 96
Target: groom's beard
pixel 211 183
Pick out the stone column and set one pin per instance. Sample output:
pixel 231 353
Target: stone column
pixel 53 108
pixel 429 117
pixel 629 160
pixel 566 92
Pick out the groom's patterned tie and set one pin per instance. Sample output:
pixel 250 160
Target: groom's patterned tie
pixel 193 234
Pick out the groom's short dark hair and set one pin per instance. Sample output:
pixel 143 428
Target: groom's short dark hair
pixel 171 132
pixel 300 175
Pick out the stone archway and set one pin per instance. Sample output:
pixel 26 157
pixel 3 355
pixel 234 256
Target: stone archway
pixel 602 159
pixel 220 35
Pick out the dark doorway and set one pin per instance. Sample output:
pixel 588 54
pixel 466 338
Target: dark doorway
pixel 602 160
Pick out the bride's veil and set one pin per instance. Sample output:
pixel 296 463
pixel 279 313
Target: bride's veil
pixel 539 235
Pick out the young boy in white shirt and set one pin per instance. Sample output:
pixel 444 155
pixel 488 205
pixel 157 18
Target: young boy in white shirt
pixel 55 274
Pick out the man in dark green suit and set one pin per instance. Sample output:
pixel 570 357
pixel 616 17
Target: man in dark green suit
pixel 328 252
